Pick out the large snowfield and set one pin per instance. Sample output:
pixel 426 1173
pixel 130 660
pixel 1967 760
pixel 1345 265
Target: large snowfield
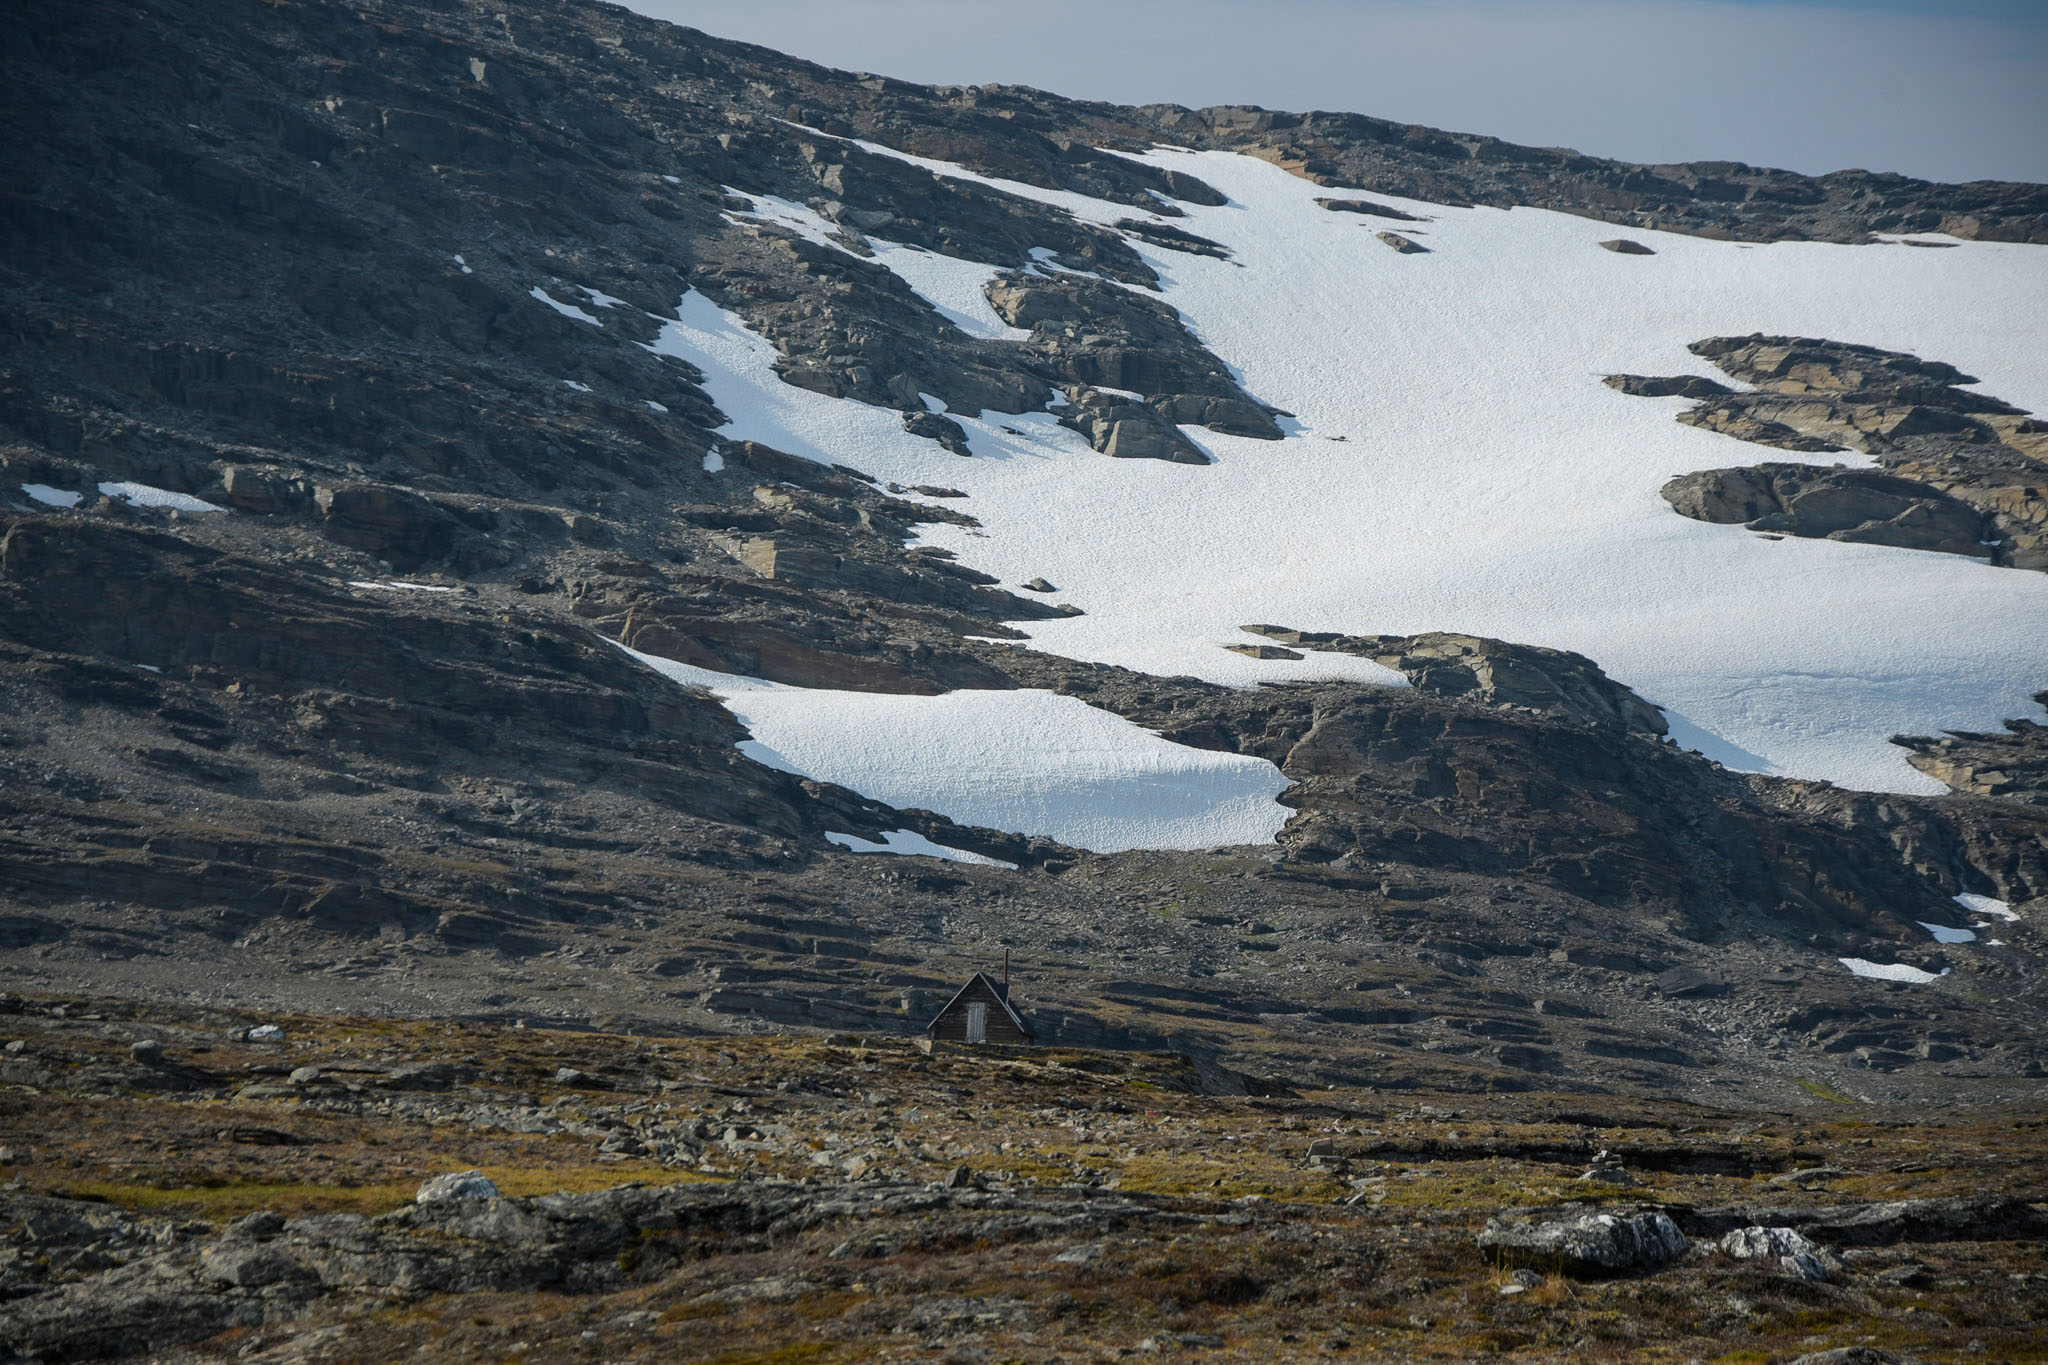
pixel 1455 463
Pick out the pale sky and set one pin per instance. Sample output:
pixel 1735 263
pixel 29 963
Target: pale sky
pixel 1954 90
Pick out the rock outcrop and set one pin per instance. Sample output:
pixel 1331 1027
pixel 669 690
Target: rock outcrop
pixel 1492 672
pixel 1595 1245
pixel 1863 505
pixel 2012 765
pixel 1959 472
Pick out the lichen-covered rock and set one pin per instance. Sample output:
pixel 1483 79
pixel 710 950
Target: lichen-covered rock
pixel 1595 1245
pixel 1798 1256
pixel 457 1185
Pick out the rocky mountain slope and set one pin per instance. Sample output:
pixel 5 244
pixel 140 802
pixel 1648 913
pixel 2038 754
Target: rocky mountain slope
pixel 393 284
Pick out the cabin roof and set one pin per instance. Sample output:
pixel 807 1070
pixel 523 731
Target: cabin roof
pixel 1002 996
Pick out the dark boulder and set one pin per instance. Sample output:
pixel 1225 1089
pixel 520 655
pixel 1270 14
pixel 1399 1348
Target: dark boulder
pixel 391 523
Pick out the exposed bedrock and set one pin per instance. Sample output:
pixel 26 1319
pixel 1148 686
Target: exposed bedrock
pixel 2013 764
pixel 1959 472
pixel 1863 505
pixel 1726 199
pixel 1514 760
pixel 1494 672
pixel 1370 209
pixel 1400 776
pixel 1120 353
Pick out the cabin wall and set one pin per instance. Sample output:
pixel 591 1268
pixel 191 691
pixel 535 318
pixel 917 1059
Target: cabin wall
pixel 951 1026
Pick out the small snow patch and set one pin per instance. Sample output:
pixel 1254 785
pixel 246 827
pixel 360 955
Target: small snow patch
pixel 580 388
pixel 1890 971
pixel 142 495
pixel 911 842
pixel 602 299
pixel 464 264
pixel 567 310
pixel 1943 934
pixel 396 586
pixel 804 221
pixel 1986 905
pixel 955 288
pixel 654 405
pixel 51 497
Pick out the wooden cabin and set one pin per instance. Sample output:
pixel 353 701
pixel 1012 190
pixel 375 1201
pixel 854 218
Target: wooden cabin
pixel 981 1012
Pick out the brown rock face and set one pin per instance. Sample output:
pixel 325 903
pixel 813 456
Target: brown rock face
pixel 2014 764
pixel 1838 504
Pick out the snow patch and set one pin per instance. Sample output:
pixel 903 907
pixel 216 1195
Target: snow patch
pixel 394 585
pixel 1890 971
pixel 955 287
pixel 1986 905
pixel 1026 761
pixel 142 495
pixel 657 407
pixel 52 497
pixel 457 258
pixel 580 388
pixel 1943 934
pixel 911 842
pixel 805 221
pixel 567 310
